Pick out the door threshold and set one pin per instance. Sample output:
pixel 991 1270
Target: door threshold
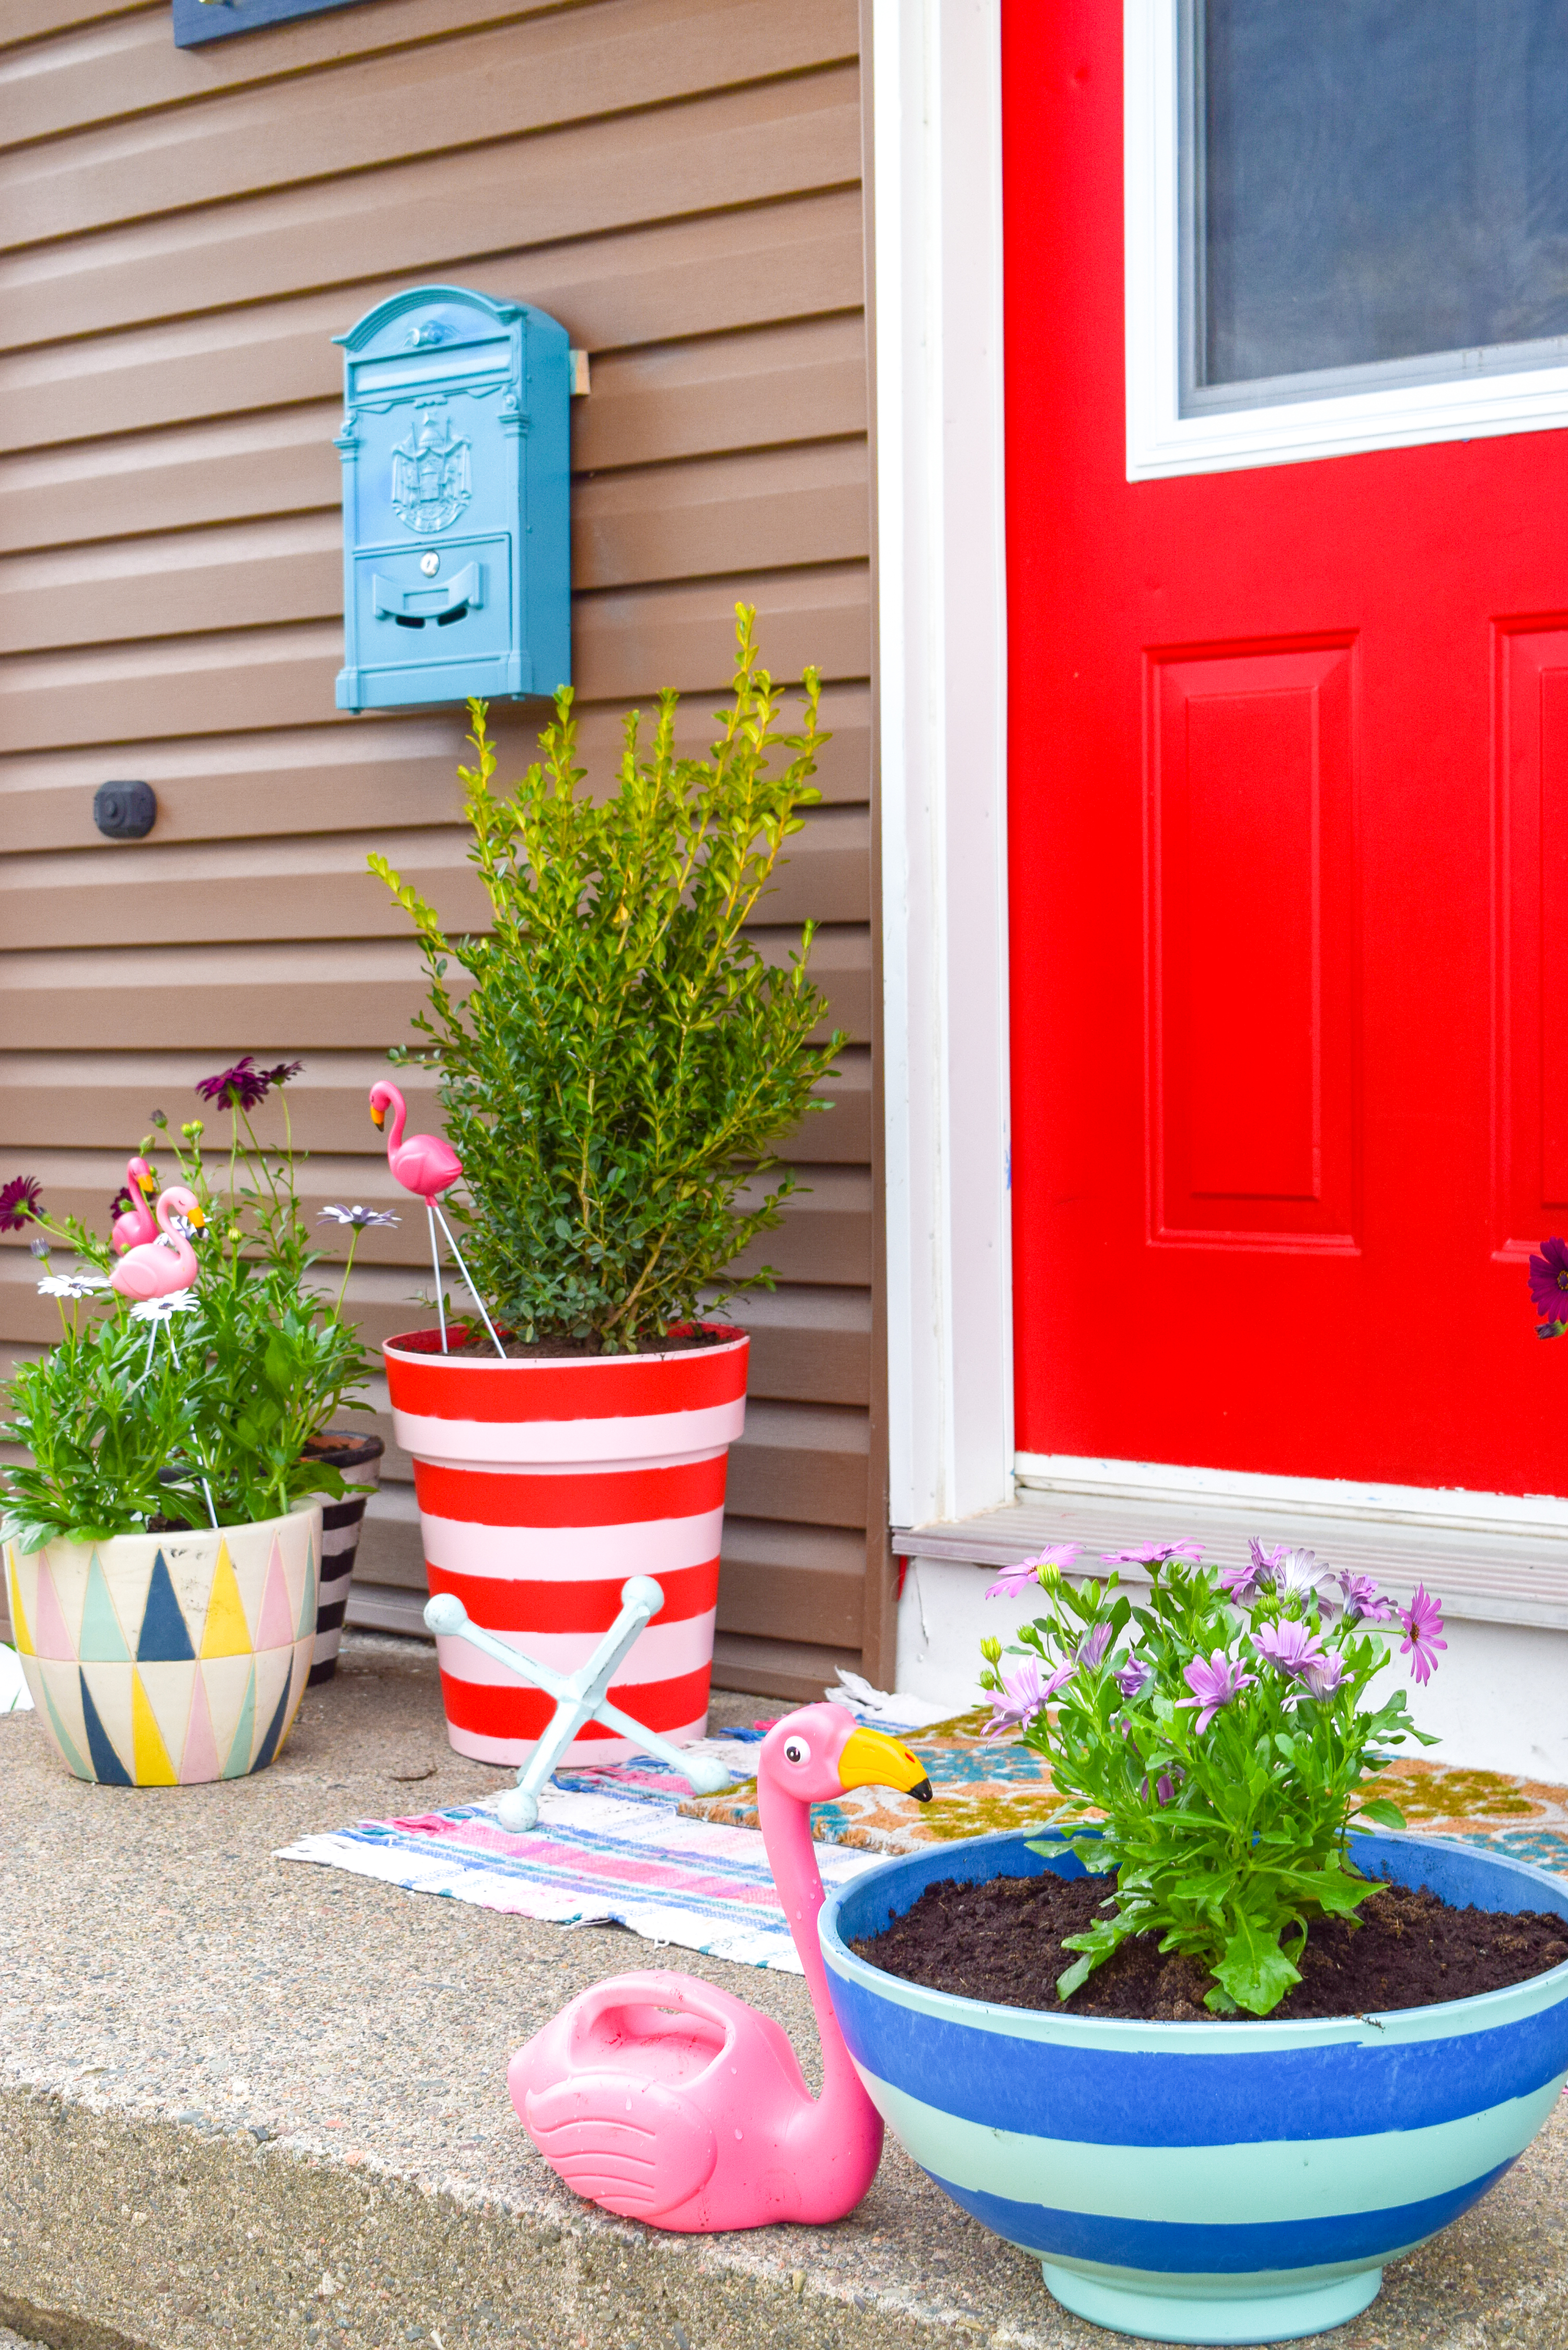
pixel 1492 1558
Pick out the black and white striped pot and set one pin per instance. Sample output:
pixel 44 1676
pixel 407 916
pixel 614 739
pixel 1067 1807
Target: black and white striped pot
pixel 358 1459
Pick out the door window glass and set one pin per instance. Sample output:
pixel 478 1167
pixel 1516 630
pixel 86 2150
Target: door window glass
pixel 1373 191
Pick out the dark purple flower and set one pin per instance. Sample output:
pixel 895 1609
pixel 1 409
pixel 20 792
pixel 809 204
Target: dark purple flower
pixel 1423 1622
pixel 1154 1555
pixel 1549 1284
pixel 281 1073
pixel 1165 1787
pixel 19 1202
pixel 1213 1681
pixel 1363 1602
pixel 1046 1567
pixel 240 1087
pixel 1132 1677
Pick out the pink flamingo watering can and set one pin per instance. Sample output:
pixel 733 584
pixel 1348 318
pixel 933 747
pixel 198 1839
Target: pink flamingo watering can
pixel 665 2099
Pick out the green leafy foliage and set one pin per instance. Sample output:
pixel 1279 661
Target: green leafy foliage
pixel 1226 1841
pixel 204 1420
pixel 617 1059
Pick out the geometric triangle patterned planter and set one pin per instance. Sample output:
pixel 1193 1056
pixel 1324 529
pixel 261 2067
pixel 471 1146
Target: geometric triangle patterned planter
pixel 165 1660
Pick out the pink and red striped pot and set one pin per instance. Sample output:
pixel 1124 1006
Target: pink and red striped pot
pixel 541 1487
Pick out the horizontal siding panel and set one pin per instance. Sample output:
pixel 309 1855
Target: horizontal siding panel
pixel 744 148
pixel 792 1671
pixel 803 1463
pixel 321 887
pixel 572 67
pixel 709 276
pixel 338 993
pixel 799 382
pixel 385 775
pixel 806 1583
pixel 756 513
pixel 730 394
pixel 28 20
pixel 102 1101
pixel 285 676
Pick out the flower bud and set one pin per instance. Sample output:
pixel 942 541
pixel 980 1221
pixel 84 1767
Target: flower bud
pixel 992 1651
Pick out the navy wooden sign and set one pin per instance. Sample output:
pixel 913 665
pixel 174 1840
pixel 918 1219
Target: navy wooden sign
pixel 213 20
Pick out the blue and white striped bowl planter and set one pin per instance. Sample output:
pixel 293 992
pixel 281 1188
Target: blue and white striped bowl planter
pixel 1206 2182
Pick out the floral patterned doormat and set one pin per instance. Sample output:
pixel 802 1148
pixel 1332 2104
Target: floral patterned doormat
pixel 987 1785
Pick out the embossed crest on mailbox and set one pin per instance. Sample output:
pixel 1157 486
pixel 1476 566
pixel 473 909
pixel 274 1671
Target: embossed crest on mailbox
pixel 456 514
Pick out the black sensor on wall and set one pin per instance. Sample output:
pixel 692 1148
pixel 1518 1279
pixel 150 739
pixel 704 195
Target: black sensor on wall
pixel 196 21
pixel 125 811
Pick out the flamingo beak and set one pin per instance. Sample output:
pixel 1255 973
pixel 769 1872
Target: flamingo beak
pixel 872 1759
pixel 377 1118
pixel 198 1219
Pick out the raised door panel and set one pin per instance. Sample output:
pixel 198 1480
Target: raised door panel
pixel 1532 892
pixel 1251 947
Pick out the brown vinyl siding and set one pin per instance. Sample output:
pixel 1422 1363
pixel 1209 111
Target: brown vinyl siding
pixel 679 181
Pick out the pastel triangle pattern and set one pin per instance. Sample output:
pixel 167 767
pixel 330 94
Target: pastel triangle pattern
pixel 199 1761
pixel 269 1744
pixel 18 1617
pixel 102 1641
pixel 107 1767
pixel 150 1756
pixel 225 1632
pixel 51 1639
pixel 275 1629
pixel 306 1630
pixel 163 1638
pixel 67 1744
pixel 239 1762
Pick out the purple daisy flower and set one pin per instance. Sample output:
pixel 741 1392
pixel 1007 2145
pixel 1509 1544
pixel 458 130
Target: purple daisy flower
pixel 1548 1285
pixel 1214 1682
pixel 1092 1648
pixel 281 1073
pixel 1245 1584
pixel 1132 1678
pixel 1363 1602
pixel 1154 1555
pixel 1300 1574
pixel 1044 1568
pixel 1423 1622
pixel 1018 1701
pixel 1289 1646
pixel 1319 1678
pixel 19 1202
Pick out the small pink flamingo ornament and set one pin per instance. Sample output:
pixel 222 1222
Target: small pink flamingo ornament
pixel 168 1261
pixel 666 2099
pixel 138 1222
pixel 426 1165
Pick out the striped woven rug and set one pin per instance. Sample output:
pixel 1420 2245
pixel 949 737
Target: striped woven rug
pixel 630 1844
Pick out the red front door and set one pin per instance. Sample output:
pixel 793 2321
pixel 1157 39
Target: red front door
pixel 1288 809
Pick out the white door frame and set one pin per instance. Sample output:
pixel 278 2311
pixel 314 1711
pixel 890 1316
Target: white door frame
pixel 942 686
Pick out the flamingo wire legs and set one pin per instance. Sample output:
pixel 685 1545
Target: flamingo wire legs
pixel 433 1212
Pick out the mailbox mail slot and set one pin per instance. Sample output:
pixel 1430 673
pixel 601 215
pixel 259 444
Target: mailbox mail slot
pixel 455 501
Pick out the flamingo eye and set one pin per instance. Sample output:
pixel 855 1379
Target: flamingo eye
pixel 796 1751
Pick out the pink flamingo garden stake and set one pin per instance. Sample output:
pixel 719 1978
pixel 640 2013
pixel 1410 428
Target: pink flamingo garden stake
pixel 138 1223
pixel 426 1165
pixel 160 1272
pixel 666 2099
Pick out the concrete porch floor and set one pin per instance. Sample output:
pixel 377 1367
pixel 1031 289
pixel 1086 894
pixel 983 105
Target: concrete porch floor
pixel 250 2103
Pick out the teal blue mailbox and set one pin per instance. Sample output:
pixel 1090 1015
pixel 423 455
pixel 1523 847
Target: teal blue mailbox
pixel 456 514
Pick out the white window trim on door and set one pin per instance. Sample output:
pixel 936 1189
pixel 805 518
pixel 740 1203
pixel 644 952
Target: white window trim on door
pixel 1161 441
pixel 942 704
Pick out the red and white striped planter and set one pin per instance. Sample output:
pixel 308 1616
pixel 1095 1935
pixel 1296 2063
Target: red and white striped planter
pixel 541 1487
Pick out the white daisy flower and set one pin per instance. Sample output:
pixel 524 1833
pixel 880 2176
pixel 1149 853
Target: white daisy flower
pixel 356 1216
pixel 73 1284
pixel 163 1309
